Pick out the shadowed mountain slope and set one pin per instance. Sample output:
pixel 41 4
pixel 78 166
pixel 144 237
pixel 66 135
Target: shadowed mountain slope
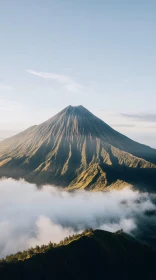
pixel 75 149
pixel 91 255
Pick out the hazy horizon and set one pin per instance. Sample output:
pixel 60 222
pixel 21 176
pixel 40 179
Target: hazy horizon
pixel 111 118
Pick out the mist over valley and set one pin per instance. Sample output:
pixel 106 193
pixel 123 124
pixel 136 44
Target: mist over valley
pixel 31 216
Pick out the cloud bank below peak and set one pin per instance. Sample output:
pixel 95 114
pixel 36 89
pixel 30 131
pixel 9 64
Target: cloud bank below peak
pixel 66 81
pixel 31 216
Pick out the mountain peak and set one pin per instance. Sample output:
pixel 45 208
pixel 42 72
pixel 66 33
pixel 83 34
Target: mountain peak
pixel 79 106
pixel 76 109
pixel 76 149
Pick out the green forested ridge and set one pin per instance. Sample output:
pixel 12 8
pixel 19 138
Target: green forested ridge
pixel 44 248
pixel 91 255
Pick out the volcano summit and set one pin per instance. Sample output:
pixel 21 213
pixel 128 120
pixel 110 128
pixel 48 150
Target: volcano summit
pixel 77 150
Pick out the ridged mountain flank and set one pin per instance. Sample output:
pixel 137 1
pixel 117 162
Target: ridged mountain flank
pixel 76 150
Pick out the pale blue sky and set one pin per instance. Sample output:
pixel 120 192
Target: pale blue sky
pixel 101 54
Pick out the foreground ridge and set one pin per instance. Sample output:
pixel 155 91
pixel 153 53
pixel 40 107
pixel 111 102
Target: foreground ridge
pixel 91 255
pixel 26 254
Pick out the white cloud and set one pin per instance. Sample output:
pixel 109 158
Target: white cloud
pixel 8 105
pixel 6 87
pixel 127 224
pixel 46 231
pixel 68 82
pixel 10 113
pixel 31 216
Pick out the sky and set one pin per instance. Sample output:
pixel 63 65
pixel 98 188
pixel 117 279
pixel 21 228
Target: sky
pixel 97 53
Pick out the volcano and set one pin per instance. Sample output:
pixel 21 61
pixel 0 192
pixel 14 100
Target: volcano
pixel 76 150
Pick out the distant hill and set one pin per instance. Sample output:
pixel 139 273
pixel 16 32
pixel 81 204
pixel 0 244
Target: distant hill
pixel 77 150
pixel 91 255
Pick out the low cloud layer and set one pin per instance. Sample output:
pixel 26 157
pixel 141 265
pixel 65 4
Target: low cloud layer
pixel 31 216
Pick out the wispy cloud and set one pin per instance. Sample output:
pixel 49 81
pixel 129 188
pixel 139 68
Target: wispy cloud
pixel 6 87
pixel 123 125
pixel 8 105
pixel 150 126
pixel 68 82
pixel 146 117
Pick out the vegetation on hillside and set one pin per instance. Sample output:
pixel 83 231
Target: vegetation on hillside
pixel 21 256
pixel 90 255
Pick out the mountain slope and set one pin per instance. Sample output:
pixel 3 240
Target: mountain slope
pixel 91 255
pixel 75 149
